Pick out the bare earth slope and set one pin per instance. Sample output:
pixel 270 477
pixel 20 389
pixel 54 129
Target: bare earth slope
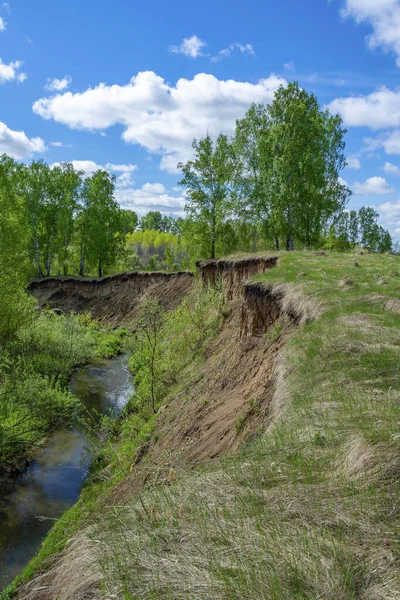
pixel 115 298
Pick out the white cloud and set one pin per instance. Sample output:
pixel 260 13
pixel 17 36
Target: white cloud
pixel 390 142
pixel 189 47
pixel 353 162
pixel 389 213
pixel 17 144
pixel 121 168
pixel 373 186
pixel 390 168
pixel 162 118
pixel 289 66
pixel 90 166
pixel 378 110
pixel 87 166
pixel 243 48
pixel 58 85
pixel 6 7
pixel 154 188
pixel 60 145
pixel 384 18
pixel 3 24
pixel 10 72
pixel 124 180
pixel 151 196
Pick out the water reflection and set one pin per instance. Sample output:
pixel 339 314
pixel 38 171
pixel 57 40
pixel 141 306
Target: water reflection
pixel 51 484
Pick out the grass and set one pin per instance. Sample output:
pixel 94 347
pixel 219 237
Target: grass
pixel 308 511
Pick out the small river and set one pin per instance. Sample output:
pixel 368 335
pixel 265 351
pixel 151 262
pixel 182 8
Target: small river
pixel 31 503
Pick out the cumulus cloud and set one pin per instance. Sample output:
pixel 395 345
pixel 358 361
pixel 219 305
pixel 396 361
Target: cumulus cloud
pixel 87 166
pixel 17 143
pixel 389 213
pixel 373 186
pixel 151 196
pixel 191 47
pixel 378 110
pixel 390 168
pixel 246 49
pixel 384 18
pixel 353 163
pixel 3 24
pixel 390 142
pixel 160 117
pixel 58 85
pixel 11 72
pixel 121 168
pixel 90 166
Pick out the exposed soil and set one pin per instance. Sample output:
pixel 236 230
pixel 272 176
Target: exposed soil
pixel 114 299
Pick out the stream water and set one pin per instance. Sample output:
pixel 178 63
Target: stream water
pixel 31 503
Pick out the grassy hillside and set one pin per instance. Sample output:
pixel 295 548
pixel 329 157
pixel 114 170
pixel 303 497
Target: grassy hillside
pixel 309 509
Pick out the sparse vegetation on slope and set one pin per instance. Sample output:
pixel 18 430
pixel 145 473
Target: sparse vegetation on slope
pixel 308 509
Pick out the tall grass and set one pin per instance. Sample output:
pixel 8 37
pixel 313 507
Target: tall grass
pixel 310 510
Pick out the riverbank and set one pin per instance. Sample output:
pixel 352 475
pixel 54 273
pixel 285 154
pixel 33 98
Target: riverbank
pixel 280 427
pixel 53 479
pixel 36 365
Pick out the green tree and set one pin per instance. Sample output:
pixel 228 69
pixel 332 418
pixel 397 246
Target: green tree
pixel 66 184
pixel 373 236
pixel 303 154
pixel 148 357
pixel 35 190
pixel 208 180
pixel 129 220
pixel 152 220
pixel 101 227
pixel 252 183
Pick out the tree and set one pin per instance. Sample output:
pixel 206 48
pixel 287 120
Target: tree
pixel 101 227
pixel 208 179
pixel 303 153
pixel 152 220
pixel 129 221
pixel 35 190
pixel 252 167
pixel 66 183
pixel 373 236
pixel 149 353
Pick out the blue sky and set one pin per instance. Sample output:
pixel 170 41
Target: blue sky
pixel 126 85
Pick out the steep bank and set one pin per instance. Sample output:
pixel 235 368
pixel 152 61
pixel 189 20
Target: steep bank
pixel 212 411
pixel 114 299
pixel 307 509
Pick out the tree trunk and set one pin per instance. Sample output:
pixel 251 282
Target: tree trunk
pixel 290 242
pixel 213 236
pixel 81 265
pixel 276 242
pixel 48 266
pixel 37 256
pixel 100 269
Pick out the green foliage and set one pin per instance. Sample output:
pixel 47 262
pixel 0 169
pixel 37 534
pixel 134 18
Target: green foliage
pixel 166 344
pixel 352 228
pixel 154 250
pixel 102 226
pixel 208 178
pixel 156 222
